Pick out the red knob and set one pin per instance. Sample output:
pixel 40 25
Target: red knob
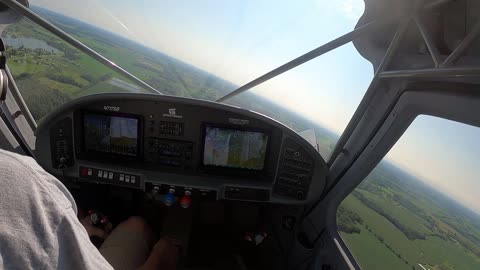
pixel 83 171
pixel 186 200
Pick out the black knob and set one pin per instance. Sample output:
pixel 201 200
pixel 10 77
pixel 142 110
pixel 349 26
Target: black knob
pixel 63 160
pixel 300 194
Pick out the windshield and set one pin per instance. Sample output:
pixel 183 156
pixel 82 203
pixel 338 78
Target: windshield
pixel 200 49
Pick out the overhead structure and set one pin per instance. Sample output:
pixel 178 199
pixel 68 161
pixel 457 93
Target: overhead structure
pixel 431 40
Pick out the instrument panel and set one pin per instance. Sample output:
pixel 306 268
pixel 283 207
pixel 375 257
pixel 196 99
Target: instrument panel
pixel 168 143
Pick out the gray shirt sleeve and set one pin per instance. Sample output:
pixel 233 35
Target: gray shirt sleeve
pixel 39 228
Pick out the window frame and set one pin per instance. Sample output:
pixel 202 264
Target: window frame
pixel 452 101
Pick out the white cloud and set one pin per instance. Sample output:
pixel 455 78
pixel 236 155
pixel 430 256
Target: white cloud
pixel 91 11
pixel 349 9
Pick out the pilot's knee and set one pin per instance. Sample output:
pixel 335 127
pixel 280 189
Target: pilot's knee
pixel 135 224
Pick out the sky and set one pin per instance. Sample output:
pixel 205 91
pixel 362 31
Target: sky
pixel 241 40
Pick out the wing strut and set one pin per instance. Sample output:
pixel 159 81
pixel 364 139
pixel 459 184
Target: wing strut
pixel 332 45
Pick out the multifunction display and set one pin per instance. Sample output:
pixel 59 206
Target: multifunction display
pixel 230 148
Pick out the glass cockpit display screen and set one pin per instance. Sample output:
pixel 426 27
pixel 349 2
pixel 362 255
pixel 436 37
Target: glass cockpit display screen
pixel 232 148
pixel 110 134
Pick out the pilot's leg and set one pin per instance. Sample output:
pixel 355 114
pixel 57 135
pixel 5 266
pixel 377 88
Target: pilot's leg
pixel 128 246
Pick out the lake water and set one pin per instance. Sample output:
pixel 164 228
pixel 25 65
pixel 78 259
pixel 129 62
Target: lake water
pixel 125 85
pixel 29 43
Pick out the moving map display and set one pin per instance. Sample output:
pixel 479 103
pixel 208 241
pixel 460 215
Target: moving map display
pixel 110 134
pixel 234 148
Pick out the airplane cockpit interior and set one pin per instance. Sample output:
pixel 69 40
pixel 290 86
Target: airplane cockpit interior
pixel 244 187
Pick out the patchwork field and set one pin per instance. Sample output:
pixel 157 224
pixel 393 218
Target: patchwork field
pixel 393 221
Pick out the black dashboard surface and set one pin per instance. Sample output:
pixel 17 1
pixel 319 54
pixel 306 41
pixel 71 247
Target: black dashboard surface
pixel 169 143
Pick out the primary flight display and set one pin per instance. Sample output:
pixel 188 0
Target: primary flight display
pixel 110 134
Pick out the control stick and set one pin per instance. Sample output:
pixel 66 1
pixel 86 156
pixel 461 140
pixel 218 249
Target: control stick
pixel 98 219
